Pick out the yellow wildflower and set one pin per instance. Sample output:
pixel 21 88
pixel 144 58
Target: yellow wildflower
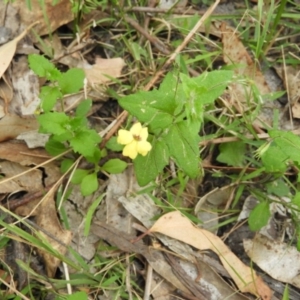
pixel 135 141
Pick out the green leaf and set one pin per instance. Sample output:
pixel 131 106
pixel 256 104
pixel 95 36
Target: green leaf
pixel 203 90
pixel 43 67
pixel 90 213
pixel 232 154
pixel 66 164
pixel 113 145
pixel 53 122
pixel 259 216
pixel 78 176
pixel 49 96
pixel 146 106
pixel 83 108
pixel 89 184
pixel 97 154
pixel 183 147
pixel 54 147
pixel 286 293
pixel 149 166
pixel 171 94
pixel 288 143
pixel 85 141
pixel 77 123
pixel 296 200
pixel 71 81
pixel 278 187
pixel 77 296
pixel 114 166
pixel 274 159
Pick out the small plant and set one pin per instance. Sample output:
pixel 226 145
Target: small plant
pixel 174 116
pixel 70 132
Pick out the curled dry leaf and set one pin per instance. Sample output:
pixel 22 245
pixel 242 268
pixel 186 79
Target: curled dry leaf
pixel 8 50
pixel 179 227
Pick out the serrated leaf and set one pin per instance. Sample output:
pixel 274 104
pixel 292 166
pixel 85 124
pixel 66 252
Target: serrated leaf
pixel 53 122
pixel 148 167
pixel 85 141
pixel 55 147
pixel 288 143
pixel 274 159
pixel 145 106
pixel 232 154
pixel 83 108
pixel 71 81
pixel 203 90
pixel 78 176
pixel 114 166
pixel 49 96
pixel 210 85
pixel 171 93
pixel 43 67
pixel 183 147
pixel 89 184
pixel 259 216
pixel 77 123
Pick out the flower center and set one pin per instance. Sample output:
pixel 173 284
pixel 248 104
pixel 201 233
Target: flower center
pixel 137 138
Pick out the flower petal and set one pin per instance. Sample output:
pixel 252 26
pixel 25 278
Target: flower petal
pixel 143 147
pixel 144 134
pixel 136 129
pixel 124 137
pixel 130 150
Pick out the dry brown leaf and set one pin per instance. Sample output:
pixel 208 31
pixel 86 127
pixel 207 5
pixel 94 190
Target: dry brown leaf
pixel 6 94
pixel 26 88
pixel 32 181
pixel 280 260
pixel 103 69
pixel 234 52
pixel 57 15
pixel 8 50
pixel 45 217
pixel 12 125
pixel 241 93
pixel 291 79
pixel 179 227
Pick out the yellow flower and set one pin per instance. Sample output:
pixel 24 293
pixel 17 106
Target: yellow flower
pixel 135 141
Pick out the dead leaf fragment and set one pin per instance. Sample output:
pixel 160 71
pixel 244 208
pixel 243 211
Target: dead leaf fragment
pixel 12 125
pixel 235 53
pixel 291 79
pixel 103 69
pixel 280 260
pixel 178 227
pixel 56 14
pixel 8 50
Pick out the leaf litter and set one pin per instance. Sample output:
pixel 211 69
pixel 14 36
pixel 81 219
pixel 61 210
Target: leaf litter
pixel 124 212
